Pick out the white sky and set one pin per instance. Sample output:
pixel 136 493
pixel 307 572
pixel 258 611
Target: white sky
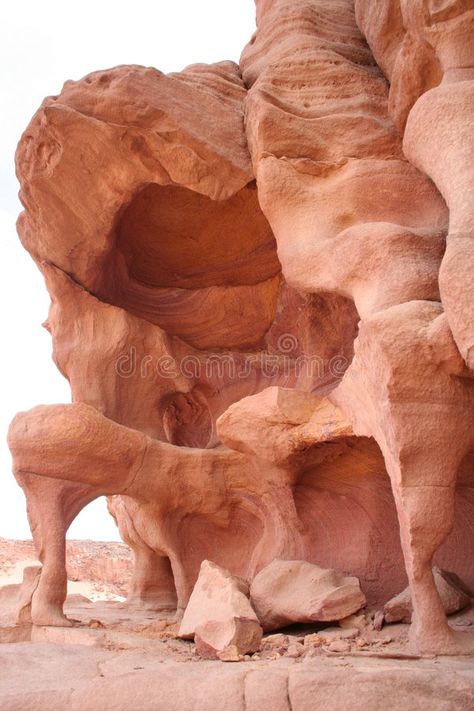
pixel 42 44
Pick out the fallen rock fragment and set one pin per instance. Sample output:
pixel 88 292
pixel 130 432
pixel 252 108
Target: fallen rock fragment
pixel 287 592
pixel 313 640
pixel 214 638
pixel 341 646
pixel 230 654
pixel 359 622
pixel 219 615
pixel 96 624
pixel 218 595
pixel 294 651
pixel 276 640
pixel 452 592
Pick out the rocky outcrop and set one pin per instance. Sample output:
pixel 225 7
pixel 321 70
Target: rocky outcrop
pixel 261 297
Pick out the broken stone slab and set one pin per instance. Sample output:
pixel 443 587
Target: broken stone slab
pixel 219 613
pixel 295 591
pixel 228 640
pixel 452 591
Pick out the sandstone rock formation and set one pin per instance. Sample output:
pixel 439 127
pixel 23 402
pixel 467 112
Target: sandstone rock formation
pixel 262 297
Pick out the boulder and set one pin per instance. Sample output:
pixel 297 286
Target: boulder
pixel 452 592
pixel 291 591
pixel 219 614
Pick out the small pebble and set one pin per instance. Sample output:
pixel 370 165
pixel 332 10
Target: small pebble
pixel 294 651
pixel 313 640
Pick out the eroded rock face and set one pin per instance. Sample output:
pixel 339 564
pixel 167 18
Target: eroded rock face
pixel 261 295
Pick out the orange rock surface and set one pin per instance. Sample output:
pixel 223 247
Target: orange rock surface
pixel 262 297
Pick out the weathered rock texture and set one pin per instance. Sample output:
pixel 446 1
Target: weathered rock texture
pixel 262 297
